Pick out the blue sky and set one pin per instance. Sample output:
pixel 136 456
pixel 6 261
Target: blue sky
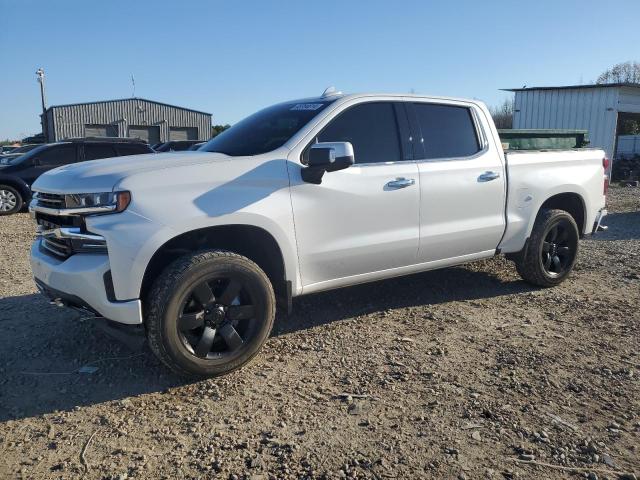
pixel 232 57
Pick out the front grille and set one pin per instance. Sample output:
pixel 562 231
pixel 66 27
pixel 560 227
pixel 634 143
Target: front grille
pixel 58 247
pixel 51 200
pixel 48 222
pixel 63 235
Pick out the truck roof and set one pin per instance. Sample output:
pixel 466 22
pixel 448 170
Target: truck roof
pixel 342 97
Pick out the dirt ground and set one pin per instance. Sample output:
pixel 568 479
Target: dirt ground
pixel 466 372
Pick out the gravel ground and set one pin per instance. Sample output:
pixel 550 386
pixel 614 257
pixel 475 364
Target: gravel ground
pixel 466 372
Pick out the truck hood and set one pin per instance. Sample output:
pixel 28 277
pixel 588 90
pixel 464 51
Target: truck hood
pixel 102 175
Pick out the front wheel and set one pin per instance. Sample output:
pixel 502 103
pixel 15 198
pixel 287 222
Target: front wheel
pixel 10 200
pixel 552 249
pixel 209 313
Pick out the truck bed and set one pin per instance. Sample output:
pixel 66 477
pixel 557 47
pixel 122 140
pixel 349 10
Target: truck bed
pixel 577 171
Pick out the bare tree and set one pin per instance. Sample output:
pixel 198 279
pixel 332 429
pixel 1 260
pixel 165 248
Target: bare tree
pixel 627 72
pixel 503 114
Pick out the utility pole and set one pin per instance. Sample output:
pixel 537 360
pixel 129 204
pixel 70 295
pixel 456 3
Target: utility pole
pixel 43 97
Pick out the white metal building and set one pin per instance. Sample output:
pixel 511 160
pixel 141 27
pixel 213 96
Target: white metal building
pixel 596 108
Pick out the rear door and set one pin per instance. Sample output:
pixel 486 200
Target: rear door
pixel 462 182
pixel 362 219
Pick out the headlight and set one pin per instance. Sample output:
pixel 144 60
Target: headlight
pixel 109 201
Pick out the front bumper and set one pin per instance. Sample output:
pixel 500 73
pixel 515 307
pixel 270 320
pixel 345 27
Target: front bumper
pixel 79 281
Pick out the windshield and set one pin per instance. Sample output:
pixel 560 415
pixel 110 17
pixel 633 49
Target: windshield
pixel 265 130
pixel 15 156
pixel 15 159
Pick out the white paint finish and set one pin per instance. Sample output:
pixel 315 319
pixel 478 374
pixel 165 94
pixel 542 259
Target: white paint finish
pixel 352 224
pixel 459 213
pixel 194 195
pixel 592 109
pixel 82 276
pixel 348 230
pixel 535 177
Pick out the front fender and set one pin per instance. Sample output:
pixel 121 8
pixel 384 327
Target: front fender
pixel 166 203
pixel 132 241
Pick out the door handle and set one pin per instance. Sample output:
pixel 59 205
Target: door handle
pixel 400 183
pixel 488 176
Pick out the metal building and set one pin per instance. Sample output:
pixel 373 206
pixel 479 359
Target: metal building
pixel 131 117
pixel 600 109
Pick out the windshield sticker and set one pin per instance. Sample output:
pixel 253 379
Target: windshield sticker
pixel 306 106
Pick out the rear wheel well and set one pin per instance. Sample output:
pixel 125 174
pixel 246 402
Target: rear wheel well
pixel 571 203
pixel 256 244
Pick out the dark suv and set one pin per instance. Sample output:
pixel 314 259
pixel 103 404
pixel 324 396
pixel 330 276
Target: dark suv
pixel 17 174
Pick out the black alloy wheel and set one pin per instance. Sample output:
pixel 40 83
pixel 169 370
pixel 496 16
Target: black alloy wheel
pixel 552 249
pixel 209 313
pixel 558 248
pixel 216 319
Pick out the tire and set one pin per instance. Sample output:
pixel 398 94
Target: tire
pixel 11 200
pixel 549 258
pixel 209 313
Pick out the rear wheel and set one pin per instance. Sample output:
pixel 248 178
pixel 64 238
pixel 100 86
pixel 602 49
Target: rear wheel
pixel 209 313
pixel 552 249
pixel 10 200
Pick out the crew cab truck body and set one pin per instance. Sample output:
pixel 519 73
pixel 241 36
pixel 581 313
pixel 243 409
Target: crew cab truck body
pixel 301 197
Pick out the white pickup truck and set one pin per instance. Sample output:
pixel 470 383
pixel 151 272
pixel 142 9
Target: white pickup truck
pixel 300 197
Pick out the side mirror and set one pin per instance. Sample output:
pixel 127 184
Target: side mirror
pixel 327 157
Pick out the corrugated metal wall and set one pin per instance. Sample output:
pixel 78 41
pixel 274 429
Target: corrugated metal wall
pixel 628 145
pixel 592 109
pixel 629 100
pixel 69 121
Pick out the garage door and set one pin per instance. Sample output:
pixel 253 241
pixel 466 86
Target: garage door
pixel 150 134
pixel 97 130
pixel 183 133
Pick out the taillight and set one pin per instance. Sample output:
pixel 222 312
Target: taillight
pixel 605 166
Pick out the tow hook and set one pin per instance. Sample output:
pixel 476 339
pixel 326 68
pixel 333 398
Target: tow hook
pixel 602 228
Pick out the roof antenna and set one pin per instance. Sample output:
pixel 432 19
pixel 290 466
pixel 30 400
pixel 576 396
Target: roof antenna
pixel 331 91
pixel 133 84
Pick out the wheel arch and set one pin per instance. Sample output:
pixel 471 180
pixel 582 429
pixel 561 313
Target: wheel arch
pixel 253 242
pixel 18 184
pixel 571 202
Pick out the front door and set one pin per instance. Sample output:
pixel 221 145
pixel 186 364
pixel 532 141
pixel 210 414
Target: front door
pixel 362 219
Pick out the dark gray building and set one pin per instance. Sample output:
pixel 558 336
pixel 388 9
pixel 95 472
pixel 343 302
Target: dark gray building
pixel 131 117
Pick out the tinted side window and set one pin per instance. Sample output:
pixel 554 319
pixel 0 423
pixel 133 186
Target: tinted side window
pixel 447 131
pixel 98 151
pixel 124 150
pixel 57 155
pixel 372 130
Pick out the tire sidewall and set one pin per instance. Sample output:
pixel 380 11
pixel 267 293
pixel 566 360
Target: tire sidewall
pixel 259 290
